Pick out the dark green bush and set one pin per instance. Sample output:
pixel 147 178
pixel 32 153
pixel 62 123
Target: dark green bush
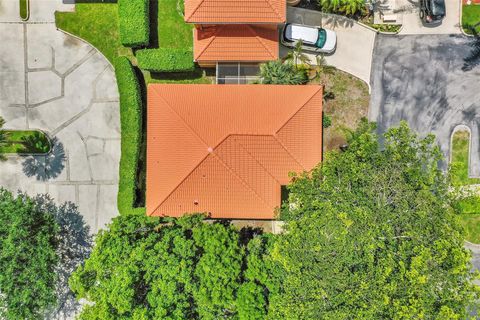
pixel 326 121
pixel 165 60
pixel 134 16
pixel 131 109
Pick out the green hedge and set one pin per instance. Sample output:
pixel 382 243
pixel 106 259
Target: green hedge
pixel 165 60
pixel 134 22
pixel 131 109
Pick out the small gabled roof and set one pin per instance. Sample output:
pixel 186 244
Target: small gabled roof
pixel 235 11
pixel 228 149
pixel 236 43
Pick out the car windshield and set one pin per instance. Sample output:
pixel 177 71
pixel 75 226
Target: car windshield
pixel 322 38
pixel 438 7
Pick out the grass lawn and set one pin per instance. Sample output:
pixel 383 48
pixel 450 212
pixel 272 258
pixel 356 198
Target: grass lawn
pixel 96 23
pixel 471 224
pixel 24 9
pixel 347 105
pixel 469 206
pixel 459 164
pixel 28 141
pixel 471 16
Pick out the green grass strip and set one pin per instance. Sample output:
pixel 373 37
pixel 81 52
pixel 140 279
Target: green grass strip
pixel 24 9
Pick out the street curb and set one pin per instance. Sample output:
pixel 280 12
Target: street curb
pixel 476 246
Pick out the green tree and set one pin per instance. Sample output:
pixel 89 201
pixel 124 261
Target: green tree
pixel 297 56
pixel 370 234
pixel 146 268
pixel 28 241
pixel 348 7
pixel 276 72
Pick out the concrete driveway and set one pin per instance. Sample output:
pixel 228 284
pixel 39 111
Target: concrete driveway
pixel 59 84
pixel 40 10
pixel 413 25
pixel 420 79
pixel 354 41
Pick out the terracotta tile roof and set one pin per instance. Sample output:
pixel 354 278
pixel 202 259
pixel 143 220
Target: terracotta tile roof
pixel 227 149
pixel 235 11
pixel 235 43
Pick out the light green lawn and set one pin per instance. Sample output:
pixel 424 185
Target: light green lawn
pixel 97 23
pixel 469 207
pixel 471 16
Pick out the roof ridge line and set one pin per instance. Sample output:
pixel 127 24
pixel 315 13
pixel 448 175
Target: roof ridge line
pixel 214 36
pixel 180 183
pixel 193 11
pixel 259 39
pixel 264 169
pixel 183 120
pixel 271 6
pixel 289 153
pixel 295 113
pixel 236 175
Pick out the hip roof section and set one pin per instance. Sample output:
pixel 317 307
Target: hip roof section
pixel 235 11
pixel 236 43
pixel 227 149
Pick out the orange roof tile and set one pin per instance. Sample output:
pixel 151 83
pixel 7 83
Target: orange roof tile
pixel 235 43
pixel 227 149
pixel 235 11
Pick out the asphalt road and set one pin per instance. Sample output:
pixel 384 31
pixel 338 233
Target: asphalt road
pixel 419 79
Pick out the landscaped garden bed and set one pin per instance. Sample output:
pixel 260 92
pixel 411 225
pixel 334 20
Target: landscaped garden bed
pixel 346 102
pixel 471 17
pixel 24 9
pixel 468 199
pixel 25 142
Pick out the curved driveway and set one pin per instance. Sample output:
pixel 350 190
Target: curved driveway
pixel 59 84
pixel 420 79
pixel 355 42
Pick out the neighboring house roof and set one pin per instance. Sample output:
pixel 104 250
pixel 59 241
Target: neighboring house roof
pixel 235 43
pixel 227 149
pixel 235 11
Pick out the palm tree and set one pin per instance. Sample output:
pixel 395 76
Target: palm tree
pixel 276 72
pixel 3 138
pixel 321 67
pixel 296 55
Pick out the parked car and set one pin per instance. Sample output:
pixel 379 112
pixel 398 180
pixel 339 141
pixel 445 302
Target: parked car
pixel 432 11
pixel 313 39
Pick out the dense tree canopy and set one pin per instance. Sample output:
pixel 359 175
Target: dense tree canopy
pixel 371 235
pixel 28 242
pixel 143 268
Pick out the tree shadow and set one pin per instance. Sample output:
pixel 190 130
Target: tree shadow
pixel 47 166
pixel 74 245
pixel 473 59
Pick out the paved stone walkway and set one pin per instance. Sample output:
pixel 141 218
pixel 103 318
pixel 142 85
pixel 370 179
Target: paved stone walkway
pixel 57 83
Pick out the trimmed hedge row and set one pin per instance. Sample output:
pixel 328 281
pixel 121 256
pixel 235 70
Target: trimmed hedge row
pixel 134 16
pixel 131 110
pixel 165 60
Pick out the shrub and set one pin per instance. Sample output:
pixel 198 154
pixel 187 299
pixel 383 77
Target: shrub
pixel 348 7
pixel 134 22
pixel 131 109
pixel 276 72
pixel 165 60
pixel 326 121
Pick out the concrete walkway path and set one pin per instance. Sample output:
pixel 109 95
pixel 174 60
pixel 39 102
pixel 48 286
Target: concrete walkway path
pixel 354 42
pixel 41 11
pixel 57 83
